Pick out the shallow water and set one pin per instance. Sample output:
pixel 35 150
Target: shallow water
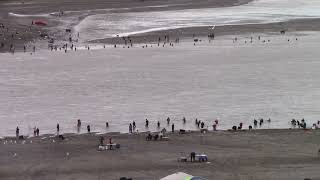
pixel 232 82
pixel 259 11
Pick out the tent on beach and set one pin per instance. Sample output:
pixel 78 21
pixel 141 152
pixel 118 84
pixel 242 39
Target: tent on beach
pixel 181 176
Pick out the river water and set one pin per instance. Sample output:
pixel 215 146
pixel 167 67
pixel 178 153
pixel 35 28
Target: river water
pixel 234 82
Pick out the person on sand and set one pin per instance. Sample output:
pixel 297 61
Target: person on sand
pixel 158 124
pixel 130 128
pixel 172 127
pixel 17 131
pixel 110 143
pixel 147 123
pixel 88 128
pixel 193 156
pixel 101 140
pixel 168 120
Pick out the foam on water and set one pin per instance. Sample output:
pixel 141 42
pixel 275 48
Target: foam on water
pixel 260 11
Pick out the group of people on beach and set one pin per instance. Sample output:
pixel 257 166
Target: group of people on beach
pixel 198 123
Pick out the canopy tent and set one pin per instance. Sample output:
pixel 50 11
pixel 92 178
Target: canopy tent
pixel 181 176
pixel 178 176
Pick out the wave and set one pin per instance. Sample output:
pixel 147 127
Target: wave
pixel 30 15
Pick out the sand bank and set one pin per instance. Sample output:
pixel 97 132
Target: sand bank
pixel 257 154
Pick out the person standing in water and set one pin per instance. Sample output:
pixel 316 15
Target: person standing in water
pixel 58 127
pixel 17 131
pixel 147 123
pixel 158 124
pixel 168 120
pixel 172 127
pixel 88 128
pixel 130 128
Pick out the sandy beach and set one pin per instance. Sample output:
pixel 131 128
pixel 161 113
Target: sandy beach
pixel 247 71
pixel 256 154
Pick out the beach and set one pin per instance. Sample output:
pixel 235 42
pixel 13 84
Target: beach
pixel 257 154
pixel 123 62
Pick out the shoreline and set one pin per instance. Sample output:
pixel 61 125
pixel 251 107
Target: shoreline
pixel 223 30
pixel 97 133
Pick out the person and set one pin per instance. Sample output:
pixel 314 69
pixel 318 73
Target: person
pixel 250 127
pixel 34 131
pixel 88 128
pixel 202 125
pixel 158 124
pixel 130 128
pixel 38 131
pixel 101 140
pixel 168 120
pixel 149 137
pixel 107 124
pixel 134 125
pixel 193 156
pixel 184 120
pixel 147 123
pixel 234 128
pixel 196 121
pixel 255 122
pixel 110 143
pixel 214 127
pixel 261 122
pixel 79 123
pixel 172 127
pixel 17 131
pixel 58 127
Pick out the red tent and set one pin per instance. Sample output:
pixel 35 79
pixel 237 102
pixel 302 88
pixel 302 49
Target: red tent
pixel 40 23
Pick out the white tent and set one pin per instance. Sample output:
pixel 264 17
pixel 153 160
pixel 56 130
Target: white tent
pixel 178 176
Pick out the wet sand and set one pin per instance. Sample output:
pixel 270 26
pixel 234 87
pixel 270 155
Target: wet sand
pixel 257 154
